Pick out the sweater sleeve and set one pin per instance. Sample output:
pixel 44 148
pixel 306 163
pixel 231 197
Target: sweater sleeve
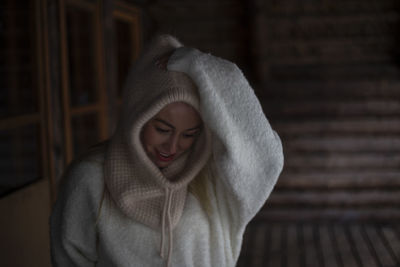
pixel 73 219
pixel 247 153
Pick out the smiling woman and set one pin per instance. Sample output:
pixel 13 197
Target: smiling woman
pixel 170 133
pixel 192 161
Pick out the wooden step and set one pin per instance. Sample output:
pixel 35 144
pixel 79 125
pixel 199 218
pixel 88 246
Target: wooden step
pixel 330 51
pixel 314 89
pixel 335 180
pixel 328 214
pixel 334 198
pixel 345 125
pixel 330 8
pixel 319 27
pixel 329 109
pixel 366 71
pixel 342 144
pixel 377 161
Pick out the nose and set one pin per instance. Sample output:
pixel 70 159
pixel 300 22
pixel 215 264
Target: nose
pixel 172 144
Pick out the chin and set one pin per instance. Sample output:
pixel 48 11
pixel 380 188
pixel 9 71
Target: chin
pixel 161 164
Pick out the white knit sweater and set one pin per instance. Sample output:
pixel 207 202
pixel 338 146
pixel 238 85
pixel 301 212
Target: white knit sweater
pixel 246 158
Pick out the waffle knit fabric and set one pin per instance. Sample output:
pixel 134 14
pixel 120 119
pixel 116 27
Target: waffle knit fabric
pixel 246 160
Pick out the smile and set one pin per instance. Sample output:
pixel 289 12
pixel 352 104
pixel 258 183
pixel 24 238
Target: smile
pixel 165 157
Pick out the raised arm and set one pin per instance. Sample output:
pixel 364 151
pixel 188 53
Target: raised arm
pixel 247 153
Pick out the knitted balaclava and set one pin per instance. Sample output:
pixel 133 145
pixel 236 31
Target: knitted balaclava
pixel 139 188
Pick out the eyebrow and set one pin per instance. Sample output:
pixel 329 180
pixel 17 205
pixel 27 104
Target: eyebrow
pixel 170 125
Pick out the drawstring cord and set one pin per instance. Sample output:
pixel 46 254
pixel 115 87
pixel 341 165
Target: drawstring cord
pixel 166 218
pixel 163 224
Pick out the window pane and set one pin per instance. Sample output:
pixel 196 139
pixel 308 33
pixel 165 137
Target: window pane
pixel 81 55
pixel 20 157
pixel 85 132
pixel 125 50
pixel 18 84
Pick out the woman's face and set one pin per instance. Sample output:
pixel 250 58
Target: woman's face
pixel 171 132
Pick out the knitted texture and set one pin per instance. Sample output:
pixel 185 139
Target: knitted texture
pixel 246 161
pixel 138 187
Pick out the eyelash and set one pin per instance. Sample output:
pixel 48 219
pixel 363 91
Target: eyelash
pixel 160 130
pixel 164 131
pixel 189 135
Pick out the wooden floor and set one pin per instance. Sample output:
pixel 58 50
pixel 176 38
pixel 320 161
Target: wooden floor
pixel 321 244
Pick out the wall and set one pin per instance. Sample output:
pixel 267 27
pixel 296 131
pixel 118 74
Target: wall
pixel 24 226
pixel 330 83
pixel 218 27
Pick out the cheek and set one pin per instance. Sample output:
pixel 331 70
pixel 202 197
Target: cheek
pixel 186 144
pixel 149 137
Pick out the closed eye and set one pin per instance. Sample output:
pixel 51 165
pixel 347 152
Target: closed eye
pixel 191 135
pixel 161 130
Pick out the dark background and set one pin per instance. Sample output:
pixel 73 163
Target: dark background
pixel 326 73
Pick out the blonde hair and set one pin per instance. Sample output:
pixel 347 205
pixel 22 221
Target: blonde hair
pixel 199 188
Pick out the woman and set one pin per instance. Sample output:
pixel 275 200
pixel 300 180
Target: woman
pixel 192 161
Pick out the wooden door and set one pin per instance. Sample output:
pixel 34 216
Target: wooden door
pixel 24 163
pixel 56 100
pixel 91 82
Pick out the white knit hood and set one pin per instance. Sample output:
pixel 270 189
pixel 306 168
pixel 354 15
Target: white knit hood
pixel 138 187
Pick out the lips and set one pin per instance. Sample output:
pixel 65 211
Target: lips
pixel 165 157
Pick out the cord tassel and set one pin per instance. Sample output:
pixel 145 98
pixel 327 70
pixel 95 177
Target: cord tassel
pixel 166 219
pixel 169 229
pixel 163 218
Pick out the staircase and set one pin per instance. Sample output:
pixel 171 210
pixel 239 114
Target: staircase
pixel 329 77
pixel 341 142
